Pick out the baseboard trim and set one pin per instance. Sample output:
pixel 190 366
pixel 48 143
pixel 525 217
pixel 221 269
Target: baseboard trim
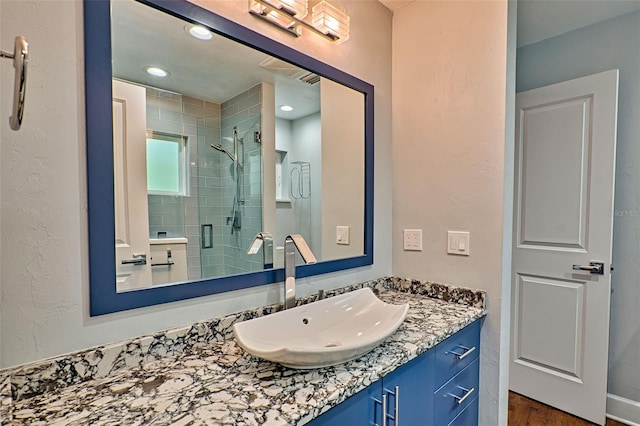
pixel 623 410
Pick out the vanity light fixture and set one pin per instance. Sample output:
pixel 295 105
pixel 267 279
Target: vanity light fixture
pixel 328 21
pixel 286 108
pixel 281 17
pixel 157 72
pixel 297 8
pixel 199 32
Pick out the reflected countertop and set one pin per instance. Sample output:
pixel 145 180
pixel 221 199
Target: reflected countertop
pixel 198 375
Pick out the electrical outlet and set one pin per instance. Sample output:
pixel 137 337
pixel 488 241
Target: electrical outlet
pixel 413 239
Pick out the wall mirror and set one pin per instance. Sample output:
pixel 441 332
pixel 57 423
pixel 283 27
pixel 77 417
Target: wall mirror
pixel 185 169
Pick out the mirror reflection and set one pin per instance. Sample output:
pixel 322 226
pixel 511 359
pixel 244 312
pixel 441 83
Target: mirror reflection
pixel 215 142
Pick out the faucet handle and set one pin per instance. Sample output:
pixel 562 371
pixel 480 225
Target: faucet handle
pixel 258 240
pixel 302 247
pixel 267 252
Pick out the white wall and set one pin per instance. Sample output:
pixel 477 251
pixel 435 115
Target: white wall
pixel 343 178
pixel 308 145
pixel 449 92
pixel 301 139
pixel 43 212
pixel 285 213
pixel 588 51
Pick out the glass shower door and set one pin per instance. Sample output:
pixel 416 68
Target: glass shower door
pixel 230 186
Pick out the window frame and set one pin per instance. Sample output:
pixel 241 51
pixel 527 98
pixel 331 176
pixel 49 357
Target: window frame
pixel 183 161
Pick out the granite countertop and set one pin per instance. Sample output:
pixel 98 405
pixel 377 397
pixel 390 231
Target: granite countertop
pixel 219 383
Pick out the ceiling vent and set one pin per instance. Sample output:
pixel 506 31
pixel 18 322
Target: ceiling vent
pixel 281 67
pixel 310 78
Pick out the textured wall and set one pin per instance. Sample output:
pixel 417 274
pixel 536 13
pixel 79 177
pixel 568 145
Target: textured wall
pixel 449 91
pixel 576 54
pixel 44 274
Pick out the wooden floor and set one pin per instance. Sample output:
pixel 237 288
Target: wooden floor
pixel 527 412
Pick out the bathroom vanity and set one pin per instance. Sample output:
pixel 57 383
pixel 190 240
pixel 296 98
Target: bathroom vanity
pixel 439 387
pixel 427 373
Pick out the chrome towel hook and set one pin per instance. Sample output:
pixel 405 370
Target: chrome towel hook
pixel 20 58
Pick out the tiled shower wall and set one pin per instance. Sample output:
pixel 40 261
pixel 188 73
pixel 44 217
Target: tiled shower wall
pixel 178 216
pixel 210 184
pixel 242 111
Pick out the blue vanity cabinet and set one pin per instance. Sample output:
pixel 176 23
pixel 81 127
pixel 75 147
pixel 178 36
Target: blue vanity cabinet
pixel 408 393
pixel 438 388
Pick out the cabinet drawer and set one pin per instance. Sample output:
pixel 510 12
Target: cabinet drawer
pixel 455 395
pixel 456 352
pixel 469 416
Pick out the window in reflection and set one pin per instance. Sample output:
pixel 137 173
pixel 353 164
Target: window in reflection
pixel 166 164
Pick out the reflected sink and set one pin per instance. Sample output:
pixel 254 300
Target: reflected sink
pixel 323 333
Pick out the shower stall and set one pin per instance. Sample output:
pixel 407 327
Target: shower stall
pixel 229 185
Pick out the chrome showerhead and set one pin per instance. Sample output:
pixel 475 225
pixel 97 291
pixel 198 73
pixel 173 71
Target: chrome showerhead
pixel 219 147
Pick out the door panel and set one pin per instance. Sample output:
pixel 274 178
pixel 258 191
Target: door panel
pixel 555 142
pixel 549 304
pixel 130 183
pixel 565 160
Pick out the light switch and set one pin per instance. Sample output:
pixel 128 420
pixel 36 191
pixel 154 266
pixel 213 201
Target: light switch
pixel 458 242
pixel 342 235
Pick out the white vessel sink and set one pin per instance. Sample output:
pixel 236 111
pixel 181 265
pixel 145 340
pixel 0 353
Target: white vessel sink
pixel 323 333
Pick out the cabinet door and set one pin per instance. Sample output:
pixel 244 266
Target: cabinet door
pixel 414 383
pixel 358 410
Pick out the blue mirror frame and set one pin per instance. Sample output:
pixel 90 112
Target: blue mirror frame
pixel 104 298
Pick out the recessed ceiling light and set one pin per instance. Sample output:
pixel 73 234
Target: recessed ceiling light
pixel 157 72
pixel 199 32
pixel 286 108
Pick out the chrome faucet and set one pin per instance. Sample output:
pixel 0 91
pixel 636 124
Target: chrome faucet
pixel 263 238
pixel 291 244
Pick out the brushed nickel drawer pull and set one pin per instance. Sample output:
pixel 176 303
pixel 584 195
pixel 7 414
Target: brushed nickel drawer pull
pixel 467 394
pixel 466 353
pixel 396 405
pixel 384 409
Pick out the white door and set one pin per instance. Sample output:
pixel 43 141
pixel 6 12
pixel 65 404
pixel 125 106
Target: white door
pixel 130 180
pixel 565 161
